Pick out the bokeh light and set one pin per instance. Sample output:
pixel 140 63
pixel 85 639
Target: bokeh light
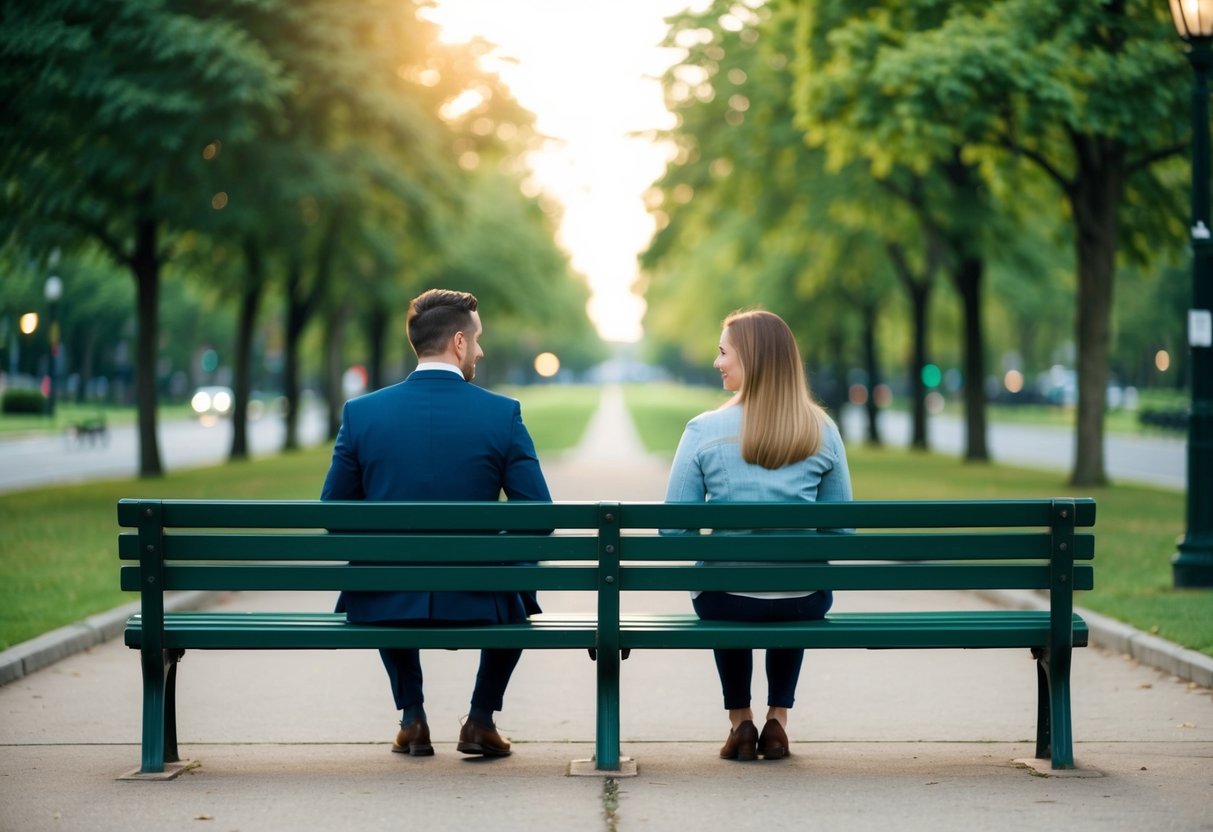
pixel 931 375
pixel 547 364
pixel 29 322
pixel 1013 381
pixel 1162 360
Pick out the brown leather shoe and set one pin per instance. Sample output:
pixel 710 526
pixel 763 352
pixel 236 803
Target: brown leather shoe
pixel 773 741
pixel 414 739
pixel 742 743
pixel 475 738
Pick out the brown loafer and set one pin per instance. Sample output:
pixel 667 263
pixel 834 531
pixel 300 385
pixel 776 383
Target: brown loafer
pixel 773 741
pixel 742 743
pixel 414 739
pixel 475 738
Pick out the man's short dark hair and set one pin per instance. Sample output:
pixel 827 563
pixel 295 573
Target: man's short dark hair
pixel 435 316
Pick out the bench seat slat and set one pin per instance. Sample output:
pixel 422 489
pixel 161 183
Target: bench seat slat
pixel 969 629
pixel 320 631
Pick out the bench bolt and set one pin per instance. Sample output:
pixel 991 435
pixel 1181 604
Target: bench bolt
pixel 610 579
pixel 610 548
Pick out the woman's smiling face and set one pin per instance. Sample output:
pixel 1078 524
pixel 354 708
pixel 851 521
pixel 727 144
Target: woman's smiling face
pixel 732 374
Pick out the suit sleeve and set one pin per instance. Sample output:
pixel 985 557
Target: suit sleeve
pixel 523 477
pixel 344 479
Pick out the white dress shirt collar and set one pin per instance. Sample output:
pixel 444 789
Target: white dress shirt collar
pixel 438 365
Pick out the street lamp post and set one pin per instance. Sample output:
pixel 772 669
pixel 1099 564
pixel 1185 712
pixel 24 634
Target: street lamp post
pixel 1193 565
pixel 53 291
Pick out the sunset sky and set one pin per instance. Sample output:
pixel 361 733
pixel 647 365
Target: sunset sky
pixel 588 70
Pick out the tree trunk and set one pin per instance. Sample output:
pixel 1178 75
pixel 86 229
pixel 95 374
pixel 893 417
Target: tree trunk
pixel 87 359
pixel 250 302
pixel 920 294
pixel 871 365
pixel 301 304
pixel 1095 198
pixel 145 263
pixel 296 319
pixel 376 333
pixel 335 366
pixel 835 388
pixel 967 277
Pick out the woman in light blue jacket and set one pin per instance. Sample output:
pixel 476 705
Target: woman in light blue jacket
pixel 771 441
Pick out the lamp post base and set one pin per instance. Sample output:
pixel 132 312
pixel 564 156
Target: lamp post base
pixel 1192 567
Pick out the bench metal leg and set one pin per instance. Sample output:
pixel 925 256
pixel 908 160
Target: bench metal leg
pixel 170 706
pixel 606 743
pixel 1054 730
pixel 159 708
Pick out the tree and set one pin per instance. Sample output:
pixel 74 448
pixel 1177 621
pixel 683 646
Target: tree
pixel 107 107
pixel 1076 92
pixel 747 213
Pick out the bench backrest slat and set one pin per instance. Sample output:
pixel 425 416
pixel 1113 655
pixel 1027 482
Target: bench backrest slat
pixel 874 514
pixel 372 547
pixel 922 545
pixel 201 544
pixel 339 577
pixel 909 577
pixel 362 516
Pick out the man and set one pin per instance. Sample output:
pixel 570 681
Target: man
pixel 434 436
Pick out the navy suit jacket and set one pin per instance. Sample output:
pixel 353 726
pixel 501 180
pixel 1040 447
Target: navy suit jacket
pixel 436 437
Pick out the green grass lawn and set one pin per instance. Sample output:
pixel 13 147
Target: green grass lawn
pixel 555 415
pixel 1136 526
pixel 58 549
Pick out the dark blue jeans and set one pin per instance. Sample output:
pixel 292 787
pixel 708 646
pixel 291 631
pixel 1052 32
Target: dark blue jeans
pixel 736 667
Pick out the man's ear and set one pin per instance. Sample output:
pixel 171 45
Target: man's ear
pixel 459 344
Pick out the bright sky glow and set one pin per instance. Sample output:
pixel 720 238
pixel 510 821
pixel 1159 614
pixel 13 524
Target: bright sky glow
pixel 588 69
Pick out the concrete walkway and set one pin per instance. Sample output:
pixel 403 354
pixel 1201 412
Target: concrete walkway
pixel 881 739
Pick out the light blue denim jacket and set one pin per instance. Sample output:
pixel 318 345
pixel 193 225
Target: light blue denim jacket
pixel 708 467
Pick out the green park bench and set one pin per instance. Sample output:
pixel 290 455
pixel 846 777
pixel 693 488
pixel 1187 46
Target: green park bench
pixel 607 549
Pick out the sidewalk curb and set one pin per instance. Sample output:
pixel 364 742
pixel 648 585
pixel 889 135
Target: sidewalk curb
pixel 1189 665
pixel 48 648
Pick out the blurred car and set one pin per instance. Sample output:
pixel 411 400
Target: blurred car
pixel 212 400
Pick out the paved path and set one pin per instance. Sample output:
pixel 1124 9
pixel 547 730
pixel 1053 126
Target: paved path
pixel 882 740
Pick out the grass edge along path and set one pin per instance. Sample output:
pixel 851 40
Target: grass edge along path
pixel 1136 526
pixel 58 547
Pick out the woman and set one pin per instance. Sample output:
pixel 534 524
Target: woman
pixel 770 441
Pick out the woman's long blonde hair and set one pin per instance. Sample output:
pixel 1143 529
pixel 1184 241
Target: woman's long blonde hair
pixel 781 423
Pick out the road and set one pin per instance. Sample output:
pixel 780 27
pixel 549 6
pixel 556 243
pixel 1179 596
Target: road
pixel 1153 460
pixel 36 461
pixel 29 462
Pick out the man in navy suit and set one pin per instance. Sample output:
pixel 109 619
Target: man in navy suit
pixel 434 436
